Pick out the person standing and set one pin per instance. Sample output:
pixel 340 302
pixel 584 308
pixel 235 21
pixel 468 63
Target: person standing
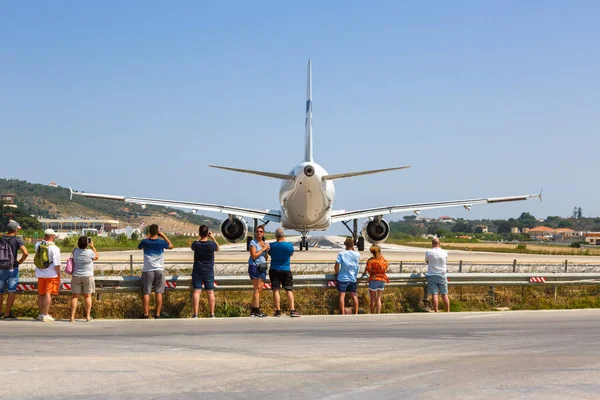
pixel 346 269
pixel 437 280
pixel 9 268
pixel 153 272
pixel 47 272
pixel 257 268
pixel 82 281
pixel 280 272
pixel 203 273
pixel 376 268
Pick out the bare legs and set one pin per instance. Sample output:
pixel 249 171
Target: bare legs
pixel 375 304
pixel 445 299
pixel 196 301
pixel 277 299
pixel 342 301
pixel 88 306
pixel 9 303
pixel 258 287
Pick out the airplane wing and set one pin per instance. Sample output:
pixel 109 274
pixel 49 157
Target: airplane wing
pixel 265 215
pixel 338 216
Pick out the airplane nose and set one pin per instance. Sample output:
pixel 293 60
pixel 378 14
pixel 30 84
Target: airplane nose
pixel 309 170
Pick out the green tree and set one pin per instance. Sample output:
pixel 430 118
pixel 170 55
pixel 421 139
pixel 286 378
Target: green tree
pixel 527 220
pixel 579 213
pixel 462 226
pixel 565 223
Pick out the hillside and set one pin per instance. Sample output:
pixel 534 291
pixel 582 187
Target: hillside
pixel 53 202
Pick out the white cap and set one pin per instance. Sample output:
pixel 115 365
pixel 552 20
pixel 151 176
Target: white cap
pixel 49 232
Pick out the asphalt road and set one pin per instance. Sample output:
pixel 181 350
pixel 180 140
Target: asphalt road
pixel 499 355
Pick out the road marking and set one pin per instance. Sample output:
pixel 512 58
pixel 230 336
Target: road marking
pixel 482 316
pixel 382 383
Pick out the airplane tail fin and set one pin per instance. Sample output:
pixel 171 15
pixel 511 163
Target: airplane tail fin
pixel 358 173
pixel 253 172
pixel 308 154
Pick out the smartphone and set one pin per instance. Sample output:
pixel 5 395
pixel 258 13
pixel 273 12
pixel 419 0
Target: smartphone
pixel 89 240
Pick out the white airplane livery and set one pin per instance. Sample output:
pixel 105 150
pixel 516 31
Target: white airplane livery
pixel 306 199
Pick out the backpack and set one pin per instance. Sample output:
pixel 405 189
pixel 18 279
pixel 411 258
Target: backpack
pixel 7 257
pixel 41 259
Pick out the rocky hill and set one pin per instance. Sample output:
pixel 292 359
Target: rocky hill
pixel 53 202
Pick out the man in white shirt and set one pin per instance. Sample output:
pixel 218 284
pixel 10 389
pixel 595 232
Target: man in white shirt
pixel 437 281
pixel 48 276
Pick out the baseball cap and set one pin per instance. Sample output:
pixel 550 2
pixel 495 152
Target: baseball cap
pixel 13 225
pixel 49 232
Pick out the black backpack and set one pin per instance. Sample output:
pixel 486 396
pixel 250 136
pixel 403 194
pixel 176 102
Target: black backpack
pixel 7 257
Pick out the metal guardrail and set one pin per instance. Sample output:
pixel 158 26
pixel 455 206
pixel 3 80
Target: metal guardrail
pixel 119 284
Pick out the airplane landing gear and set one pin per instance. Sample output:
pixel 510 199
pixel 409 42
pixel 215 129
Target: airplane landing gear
pixel 359 242
pixel 303 241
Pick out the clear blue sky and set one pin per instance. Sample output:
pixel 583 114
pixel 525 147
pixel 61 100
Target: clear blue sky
pixel 481 98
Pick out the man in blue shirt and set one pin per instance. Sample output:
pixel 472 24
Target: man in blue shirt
pixel 280 273
pixel 153 272
pixel 203 273
pixel 346 268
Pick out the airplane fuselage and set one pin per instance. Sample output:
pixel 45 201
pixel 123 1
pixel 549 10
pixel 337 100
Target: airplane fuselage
pixel 307 200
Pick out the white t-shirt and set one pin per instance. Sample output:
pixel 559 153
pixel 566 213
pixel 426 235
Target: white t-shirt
pixel 54 258
pixel 436 261
pixel 83 262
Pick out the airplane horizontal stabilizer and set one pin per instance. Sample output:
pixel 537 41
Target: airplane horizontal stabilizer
pixel 261 173
pixel 358 173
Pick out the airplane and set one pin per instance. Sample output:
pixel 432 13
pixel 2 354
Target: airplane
pixel 306 200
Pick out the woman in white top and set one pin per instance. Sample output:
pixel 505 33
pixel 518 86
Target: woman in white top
pixel 82 281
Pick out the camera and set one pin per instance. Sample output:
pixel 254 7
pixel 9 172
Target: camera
pixel 89 240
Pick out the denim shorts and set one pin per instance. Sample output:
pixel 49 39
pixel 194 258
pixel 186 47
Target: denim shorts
pixel 376 285
pixel 344 287
pixel 437 284
pixel 254 273
pixel 9 279
pixel 208 281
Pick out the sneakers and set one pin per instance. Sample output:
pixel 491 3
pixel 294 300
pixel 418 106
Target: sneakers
pixel 213 316
pixel 256 312
pixel 157 316
pixel 47 318
pixel 294 314
pixel 277 313
pixel 145 317
pixel 195 316
pixel 10 316
pixel 40 317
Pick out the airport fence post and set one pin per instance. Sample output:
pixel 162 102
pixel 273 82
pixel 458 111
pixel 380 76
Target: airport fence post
pixel 131 265
pixel 515 265
pixel 566 265
pixel 460 266
pixel 400 266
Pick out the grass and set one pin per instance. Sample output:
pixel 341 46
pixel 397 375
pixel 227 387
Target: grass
pixel 177 304
pixel 506 248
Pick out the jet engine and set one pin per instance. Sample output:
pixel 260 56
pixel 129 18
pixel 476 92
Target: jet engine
pixel 376 230
pixel 234 229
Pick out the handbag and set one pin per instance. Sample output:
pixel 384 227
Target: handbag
pixel 262 267
pixel 69 266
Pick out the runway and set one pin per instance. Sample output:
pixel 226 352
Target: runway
pixel 497 355
pixel 330 246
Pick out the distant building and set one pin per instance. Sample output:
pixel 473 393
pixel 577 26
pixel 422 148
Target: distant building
pixel 53 184
pixel 565 232
pixel 541 232
pixel 484 228
pixel 525 230
pixel 593 238
pixel 446 219
pixel 8 200
pixel 514 230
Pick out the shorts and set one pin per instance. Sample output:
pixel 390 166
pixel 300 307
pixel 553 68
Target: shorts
pixel 437 284
pixel 83 285
pixel 153 278
pixel 376 285
pixel 281 278
pixel 344 287
pixel 254 273
pixel 9 279
pixel 48 285
pixel 208 281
